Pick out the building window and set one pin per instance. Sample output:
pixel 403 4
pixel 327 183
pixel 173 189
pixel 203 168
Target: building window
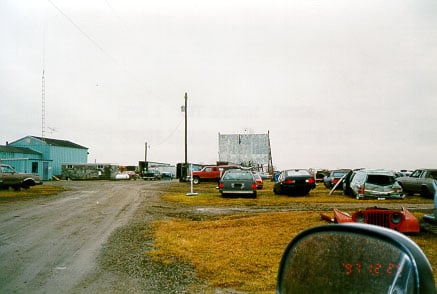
pixel 34 167
pixel 70 166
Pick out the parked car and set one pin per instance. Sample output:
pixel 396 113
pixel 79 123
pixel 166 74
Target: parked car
pixel 238 182
pixel 367 183
pixel 9 177
pixel 294 182
pixel 405 172
pixel 334 176
pixel 152 174
pixel 265 175
pixel 400 220
pixel 167 176
pixel 132 174
pixel 258 180
pixel 321 174
pixel 420 181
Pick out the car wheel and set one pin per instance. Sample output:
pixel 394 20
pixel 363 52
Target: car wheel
pixel 276 191
pixel 196 180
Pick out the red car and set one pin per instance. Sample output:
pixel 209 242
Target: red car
pixel 399 220
pixel 258 181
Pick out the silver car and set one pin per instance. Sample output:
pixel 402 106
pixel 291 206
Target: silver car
pixel 238 182
pixel 379 184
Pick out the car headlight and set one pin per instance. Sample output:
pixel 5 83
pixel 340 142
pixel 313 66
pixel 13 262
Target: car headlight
pixel 360 217
pixel 396 218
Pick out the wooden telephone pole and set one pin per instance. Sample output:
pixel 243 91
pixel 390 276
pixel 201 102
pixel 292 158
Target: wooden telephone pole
pixel 186 129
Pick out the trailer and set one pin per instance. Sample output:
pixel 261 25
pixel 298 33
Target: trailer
pixel 89 171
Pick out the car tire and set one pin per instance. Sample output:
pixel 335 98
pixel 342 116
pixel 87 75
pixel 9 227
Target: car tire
pixel 275 190
pixel 196 180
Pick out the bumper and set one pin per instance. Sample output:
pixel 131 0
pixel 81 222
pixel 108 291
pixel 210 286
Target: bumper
pixel 237 191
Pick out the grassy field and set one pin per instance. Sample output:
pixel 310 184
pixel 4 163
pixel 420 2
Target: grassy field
pixel 243 251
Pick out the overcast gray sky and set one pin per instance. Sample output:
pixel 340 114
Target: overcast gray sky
pixel 338 83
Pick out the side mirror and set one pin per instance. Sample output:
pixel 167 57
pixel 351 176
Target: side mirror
pixel 354 258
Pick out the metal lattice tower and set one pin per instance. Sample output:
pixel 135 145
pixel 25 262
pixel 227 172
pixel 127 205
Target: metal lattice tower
pixel 43 105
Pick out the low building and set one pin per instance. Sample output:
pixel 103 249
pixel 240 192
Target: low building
pixel 25 160
pixel 42 156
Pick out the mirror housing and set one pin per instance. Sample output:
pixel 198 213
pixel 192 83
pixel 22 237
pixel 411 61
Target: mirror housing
pixel 354 258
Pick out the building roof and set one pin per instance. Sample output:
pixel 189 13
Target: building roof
pixel 17 150
pixel 56 142
pixel 60 143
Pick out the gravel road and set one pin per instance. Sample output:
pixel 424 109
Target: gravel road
pixel 92 239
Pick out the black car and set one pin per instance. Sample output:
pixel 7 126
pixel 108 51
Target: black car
pixel 294 182
pixel 152 174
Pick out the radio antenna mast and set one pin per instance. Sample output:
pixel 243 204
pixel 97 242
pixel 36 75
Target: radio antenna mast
pixel 43 87
pixel 43 105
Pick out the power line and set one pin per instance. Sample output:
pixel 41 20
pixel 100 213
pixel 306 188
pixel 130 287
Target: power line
pixel 171 134
pixel 119 19
pixel 96 44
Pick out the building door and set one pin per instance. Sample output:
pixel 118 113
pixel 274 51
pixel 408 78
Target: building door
pixel 45 170
pixel 34 167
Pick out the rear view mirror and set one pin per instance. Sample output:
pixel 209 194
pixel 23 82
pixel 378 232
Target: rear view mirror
pixel 354 258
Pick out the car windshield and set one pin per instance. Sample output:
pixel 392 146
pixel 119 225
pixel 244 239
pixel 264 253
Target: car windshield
pixel 381 180
pixel 297 172
pixel 238 176
pixel 338 174
pixel 7 169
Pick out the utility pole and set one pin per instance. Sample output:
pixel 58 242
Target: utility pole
pixel 145 156
pixel 186 128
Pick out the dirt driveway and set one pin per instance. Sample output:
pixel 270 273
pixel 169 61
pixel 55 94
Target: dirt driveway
pixel 92 239
pixel 56 244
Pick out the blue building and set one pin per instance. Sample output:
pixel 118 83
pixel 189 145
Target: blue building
pixel 42 156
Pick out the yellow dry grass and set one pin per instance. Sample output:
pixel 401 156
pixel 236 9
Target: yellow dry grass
pixel 40 190
pixel 243 251
pixel 210 196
